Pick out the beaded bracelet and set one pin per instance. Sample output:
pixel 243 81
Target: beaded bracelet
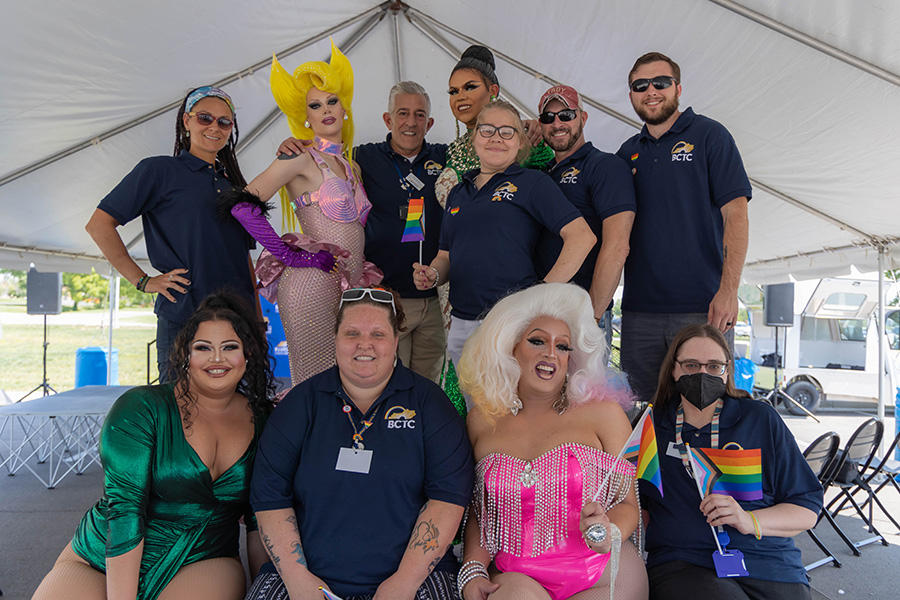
pixel 437 276
pixel 141 284
pixel 757 532
pixel 470 571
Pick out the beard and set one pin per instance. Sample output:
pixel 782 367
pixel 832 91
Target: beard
pixel 565 144
pixel 664 110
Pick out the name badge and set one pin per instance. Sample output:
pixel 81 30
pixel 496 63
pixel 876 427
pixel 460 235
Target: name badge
pixel 415 181
pixel 672 451
pixel 730 563
pixel 354 461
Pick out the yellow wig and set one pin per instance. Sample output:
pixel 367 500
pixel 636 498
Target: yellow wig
pixel 290 95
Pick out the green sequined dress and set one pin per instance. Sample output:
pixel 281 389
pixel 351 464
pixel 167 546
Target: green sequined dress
pixel 157 489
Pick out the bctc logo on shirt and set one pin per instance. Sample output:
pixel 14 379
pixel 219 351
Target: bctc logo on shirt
pixel 570 176
pixel 433 168
pixel 681 152
pixel 505 191
pixel 398 417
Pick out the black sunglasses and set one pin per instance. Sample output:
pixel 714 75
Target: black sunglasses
pixel 660 82
pixel 207 119
pixel 565 115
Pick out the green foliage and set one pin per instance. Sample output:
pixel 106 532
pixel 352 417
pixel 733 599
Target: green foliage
pixel 12 283
pixel 86 288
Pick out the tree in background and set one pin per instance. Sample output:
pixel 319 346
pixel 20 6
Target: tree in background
pixel 91 288
pixel 12 283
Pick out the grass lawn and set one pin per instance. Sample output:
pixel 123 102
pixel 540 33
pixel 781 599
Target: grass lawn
pixel 21 351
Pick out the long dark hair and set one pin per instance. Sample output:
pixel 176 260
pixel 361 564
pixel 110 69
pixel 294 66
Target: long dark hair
pixel 225 156
pixel 258 384
pixel 665 391
pixel 480 60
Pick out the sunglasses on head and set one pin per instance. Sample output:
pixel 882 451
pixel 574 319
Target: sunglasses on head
pixel 376 294
pixel 660 82
pixel 207 119
pixel 565 115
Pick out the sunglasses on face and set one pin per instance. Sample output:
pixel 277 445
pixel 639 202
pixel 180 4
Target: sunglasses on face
pixel 565 115
pixel 506 132
pixel 376 294
pixel 660 83
pixel 207 119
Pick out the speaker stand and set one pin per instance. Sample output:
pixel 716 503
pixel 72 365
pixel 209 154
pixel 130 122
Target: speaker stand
pixel 776 392
pixel 45 384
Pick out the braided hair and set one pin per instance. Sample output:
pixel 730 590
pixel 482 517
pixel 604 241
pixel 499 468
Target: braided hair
pixel 226 156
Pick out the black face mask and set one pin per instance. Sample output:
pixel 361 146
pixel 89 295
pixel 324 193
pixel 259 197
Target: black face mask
pixel 700 389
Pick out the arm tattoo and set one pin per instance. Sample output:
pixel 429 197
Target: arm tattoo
pixel 297 547
pixel 270 549
pixel 425 536
pixel 434 563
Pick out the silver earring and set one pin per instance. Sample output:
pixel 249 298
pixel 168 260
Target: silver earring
pixel 516 407
pixel 562 403
pixel 306 124
pixel 187 134
pixel 345 116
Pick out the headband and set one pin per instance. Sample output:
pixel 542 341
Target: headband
pixel 207 92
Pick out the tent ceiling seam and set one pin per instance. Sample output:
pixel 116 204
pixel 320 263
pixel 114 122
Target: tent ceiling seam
pixel 808 40
pixel 97 139
pixel 872 239
pixel 883 244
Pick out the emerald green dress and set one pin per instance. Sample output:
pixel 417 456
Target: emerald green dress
pixel 157 489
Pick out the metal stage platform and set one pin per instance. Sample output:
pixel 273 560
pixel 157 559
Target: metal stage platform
pixel 55 435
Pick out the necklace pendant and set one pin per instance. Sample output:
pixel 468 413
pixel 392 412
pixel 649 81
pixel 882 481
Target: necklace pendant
pixel 359 446
pixel 528 477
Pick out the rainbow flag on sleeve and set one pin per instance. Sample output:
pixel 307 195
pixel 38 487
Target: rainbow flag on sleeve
pixel 735 473
pixel 641 449
pixel 412 231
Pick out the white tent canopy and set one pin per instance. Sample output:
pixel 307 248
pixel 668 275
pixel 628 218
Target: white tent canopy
pixel 809 89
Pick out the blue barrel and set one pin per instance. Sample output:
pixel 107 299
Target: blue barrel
pixel 90 366
pixel 744 374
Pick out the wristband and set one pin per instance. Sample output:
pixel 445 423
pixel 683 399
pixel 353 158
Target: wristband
pixel 437 276
pixel 141 284
pixel 757 532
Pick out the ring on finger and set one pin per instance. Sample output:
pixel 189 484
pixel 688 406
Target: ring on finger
pixel 170 278
pixel 596 533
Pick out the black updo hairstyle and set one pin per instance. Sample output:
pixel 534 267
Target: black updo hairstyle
pixel 480 59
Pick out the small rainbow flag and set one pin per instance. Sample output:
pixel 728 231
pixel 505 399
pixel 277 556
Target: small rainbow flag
pixel 735 473
pixel 412 232
pixel 328 595
pixel 641 449
pixel 634 156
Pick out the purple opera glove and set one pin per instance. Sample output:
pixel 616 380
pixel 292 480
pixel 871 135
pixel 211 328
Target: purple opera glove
pixel 255 222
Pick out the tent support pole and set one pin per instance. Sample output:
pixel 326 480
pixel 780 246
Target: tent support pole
pixel 395 25
pixel 814 43
pixel 881 350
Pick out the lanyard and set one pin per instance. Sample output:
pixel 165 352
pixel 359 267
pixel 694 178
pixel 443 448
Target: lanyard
pixel 713 434
pixel 403 181
pixel 357 432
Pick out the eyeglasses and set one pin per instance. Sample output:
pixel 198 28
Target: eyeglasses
pixel 506 132
pixel 565 115
pixel 376 294
pixel 207 119
pixel 692 366
pixel 660 83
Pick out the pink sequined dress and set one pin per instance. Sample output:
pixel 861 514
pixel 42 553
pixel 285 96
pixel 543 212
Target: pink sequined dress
pixel 529 512
pixel 331 218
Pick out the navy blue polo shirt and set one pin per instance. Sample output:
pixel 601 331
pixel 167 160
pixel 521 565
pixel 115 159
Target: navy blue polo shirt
pixel 176 198
pixel 383 171
pixel 599 185
pixel 492 233
pixel 682 181
pixel 677 530
pixel 355 527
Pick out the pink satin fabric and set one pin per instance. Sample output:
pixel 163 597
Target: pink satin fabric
pixel 567 566
pixel 269 268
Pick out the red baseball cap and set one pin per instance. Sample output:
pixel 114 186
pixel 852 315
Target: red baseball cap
pixel 565 94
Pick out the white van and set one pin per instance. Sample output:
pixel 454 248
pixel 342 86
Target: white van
pixel 830 355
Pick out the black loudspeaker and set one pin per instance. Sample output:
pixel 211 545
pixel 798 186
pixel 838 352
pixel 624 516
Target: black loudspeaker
pixel 43 293
pixel 779 304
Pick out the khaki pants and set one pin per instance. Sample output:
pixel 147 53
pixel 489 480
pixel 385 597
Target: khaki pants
pixel 422 344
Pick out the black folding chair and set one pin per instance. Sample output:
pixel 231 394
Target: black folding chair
pixel 877 477
pixel 820 457
pixel 849 473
